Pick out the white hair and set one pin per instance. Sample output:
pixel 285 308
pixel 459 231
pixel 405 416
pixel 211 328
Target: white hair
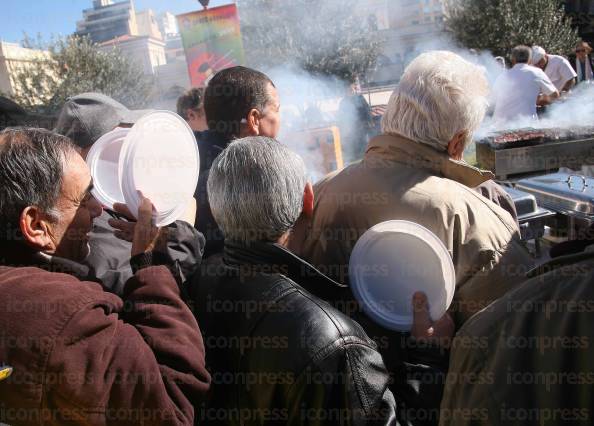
pixel 255 189
pixel 537 54
pixel 439 95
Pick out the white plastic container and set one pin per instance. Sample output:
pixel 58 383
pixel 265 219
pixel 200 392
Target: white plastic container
pixel 103 161
pixel 392 261
pixel 158 156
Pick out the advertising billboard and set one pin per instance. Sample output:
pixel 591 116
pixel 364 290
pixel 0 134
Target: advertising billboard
pixel 212 42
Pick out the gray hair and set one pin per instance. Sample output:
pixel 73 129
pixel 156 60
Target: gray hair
pixel 255 189
pixel 521 54
pixel 439 95
pixel 32 163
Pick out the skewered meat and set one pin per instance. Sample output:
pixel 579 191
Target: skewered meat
pixel 529 136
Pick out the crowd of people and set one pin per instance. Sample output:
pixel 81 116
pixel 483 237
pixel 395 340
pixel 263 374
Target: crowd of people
pixel 536 79
pixel 240 313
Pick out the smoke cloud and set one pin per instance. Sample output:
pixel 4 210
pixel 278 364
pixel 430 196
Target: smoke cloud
pixel 575 110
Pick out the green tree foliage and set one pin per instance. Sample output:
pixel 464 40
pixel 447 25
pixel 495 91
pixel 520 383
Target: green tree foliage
pixel 75 65
pixel 322 37
pixel 499 25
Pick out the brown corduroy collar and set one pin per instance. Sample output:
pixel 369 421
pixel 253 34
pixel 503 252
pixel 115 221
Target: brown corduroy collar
pixel 418 155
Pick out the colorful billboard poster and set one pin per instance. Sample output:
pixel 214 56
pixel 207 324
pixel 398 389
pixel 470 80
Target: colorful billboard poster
pixel 212 42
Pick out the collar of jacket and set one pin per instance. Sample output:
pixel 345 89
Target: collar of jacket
pixel 23 256
pixel 402 150
pixel 210 145
pixel 270 258
pixel 212 139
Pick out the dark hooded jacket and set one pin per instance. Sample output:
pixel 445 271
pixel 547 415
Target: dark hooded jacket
pixel 528 358
pixel 210 145
pixel 109 258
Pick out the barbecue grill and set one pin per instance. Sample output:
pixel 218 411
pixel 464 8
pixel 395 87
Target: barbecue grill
pixel 531 150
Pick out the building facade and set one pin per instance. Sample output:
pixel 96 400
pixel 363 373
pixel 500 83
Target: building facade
pixel 168 25
pixel 153 42
pixel 108 20
pixel 147 52
pixel 146 22
pixel 413 23
pixel 13 58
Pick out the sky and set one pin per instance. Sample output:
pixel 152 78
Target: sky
pixel 58 17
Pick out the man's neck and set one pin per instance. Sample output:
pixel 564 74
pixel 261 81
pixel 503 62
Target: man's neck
pixel 284 239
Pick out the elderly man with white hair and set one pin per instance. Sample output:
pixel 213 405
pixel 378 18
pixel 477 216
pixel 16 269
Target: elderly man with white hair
pixel 414 171
pixel 556 67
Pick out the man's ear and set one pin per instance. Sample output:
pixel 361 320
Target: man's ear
pixel 36 229
pixel 456 145
pixel 191 114
pixel 308 200
pixel 253 123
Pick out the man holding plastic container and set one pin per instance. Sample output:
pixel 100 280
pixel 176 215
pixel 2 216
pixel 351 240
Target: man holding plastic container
pixel 79 354
pixel 84 119
pixel 276 349
pixel 415 172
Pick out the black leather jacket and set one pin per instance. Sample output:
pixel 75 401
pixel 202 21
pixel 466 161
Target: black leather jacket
pixel 277 353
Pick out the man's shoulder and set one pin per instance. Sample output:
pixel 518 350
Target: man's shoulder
pixel 452 198
pixel 327 327
pixel 278 301
pixel 557 288
pixel 562 66
pixel 440 191
pixel 339 180
pixel 44 301
pixel 536 72
pixel 39 284
pixel 559 60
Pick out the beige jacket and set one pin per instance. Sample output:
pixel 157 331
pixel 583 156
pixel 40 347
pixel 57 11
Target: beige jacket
pixel 402 179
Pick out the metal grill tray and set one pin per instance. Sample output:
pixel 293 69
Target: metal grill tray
pixel 525 203
pixel 562 193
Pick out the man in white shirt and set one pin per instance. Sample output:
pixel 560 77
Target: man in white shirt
pixel 556 67
pixel 518 90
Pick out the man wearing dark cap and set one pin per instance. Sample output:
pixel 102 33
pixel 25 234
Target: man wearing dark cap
pixel 84 119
